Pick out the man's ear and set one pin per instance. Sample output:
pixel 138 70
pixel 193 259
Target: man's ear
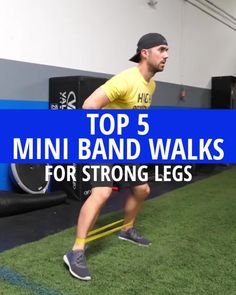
pixel 144 53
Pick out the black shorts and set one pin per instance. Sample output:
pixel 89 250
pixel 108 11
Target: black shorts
pixel 109 175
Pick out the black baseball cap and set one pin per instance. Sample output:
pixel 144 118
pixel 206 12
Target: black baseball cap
pixel 148 41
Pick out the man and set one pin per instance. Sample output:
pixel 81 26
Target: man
pixel 131 89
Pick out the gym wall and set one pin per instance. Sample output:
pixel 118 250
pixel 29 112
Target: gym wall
pixel 100 36
pixel 43 39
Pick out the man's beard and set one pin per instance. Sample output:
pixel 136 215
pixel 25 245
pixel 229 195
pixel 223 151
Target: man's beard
pixel 158 68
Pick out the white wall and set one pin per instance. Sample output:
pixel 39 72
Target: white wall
pixel 101 36
pixel 209 48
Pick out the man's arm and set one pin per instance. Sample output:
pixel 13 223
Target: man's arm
pixel 97 100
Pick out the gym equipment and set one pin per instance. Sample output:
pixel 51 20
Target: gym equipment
pixel 223 92
pixel 15 203
pixel 97 230
pixel 98 233
pixel 70 93
pixel 78 189
pixel 30 177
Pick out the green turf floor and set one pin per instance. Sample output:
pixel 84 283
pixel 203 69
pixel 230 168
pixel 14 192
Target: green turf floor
pixel 193 230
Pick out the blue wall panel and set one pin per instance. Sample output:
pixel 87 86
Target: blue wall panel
pixel 5 180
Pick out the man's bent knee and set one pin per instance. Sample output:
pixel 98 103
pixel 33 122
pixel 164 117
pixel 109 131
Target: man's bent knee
pixel 101 193
pixel 141 191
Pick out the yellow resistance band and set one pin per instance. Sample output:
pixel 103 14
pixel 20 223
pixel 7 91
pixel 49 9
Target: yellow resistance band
pixel 92 236
pixel 95 231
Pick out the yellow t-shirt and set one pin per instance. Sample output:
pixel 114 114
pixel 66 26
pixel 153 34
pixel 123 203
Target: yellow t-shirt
pixel 129 90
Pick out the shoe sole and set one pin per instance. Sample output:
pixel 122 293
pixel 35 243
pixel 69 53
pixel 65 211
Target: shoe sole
pixel 88 278
pixel 136 243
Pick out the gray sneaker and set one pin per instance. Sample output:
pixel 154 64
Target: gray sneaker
pixel 76 262
pixel 133 236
